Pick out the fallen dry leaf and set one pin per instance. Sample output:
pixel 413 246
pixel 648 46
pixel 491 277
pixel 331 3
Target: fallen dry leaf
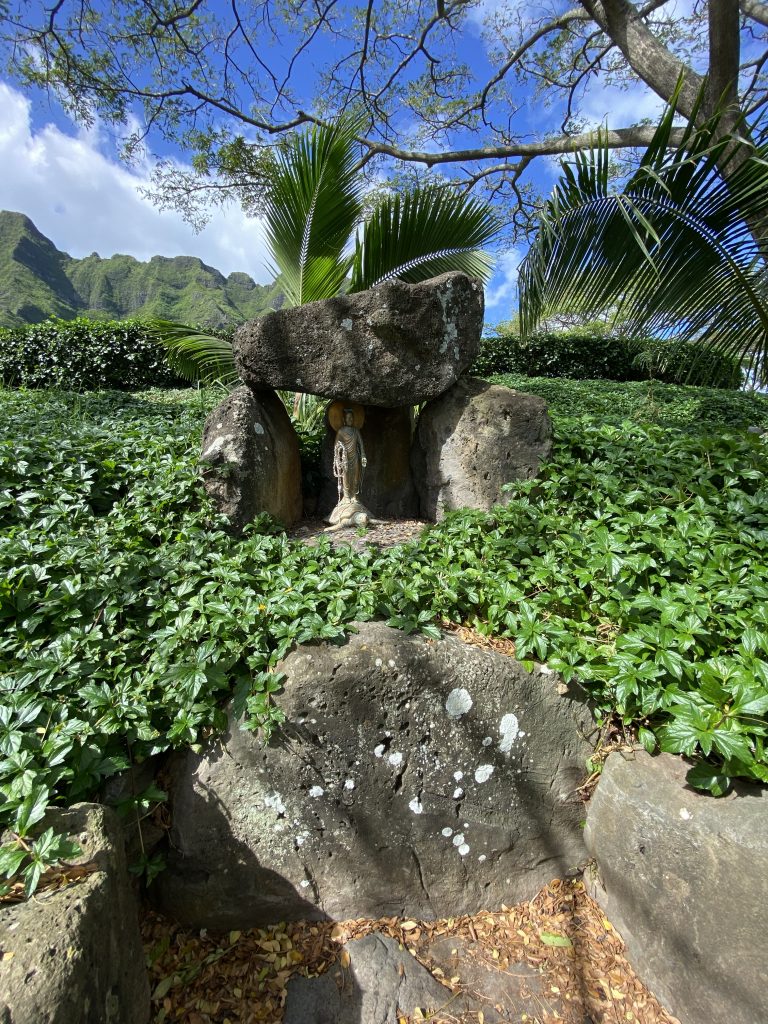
pixel 241 977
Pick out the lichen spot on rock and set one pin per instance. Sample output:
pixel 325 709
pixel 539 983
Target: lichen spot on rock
pixel 347 324
pixel 316 791
pixel 275 801
pixel 218 444
pixel 509 727
pixel 483 772
pixel 258 428
pixel 458 702
pixel 415 806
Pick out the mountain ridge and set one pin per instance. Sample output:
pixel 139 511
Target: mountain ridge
pixel 38 280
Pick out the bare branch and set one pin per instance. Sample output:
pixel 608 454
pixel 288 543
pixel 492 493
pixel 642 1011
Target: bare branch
pixel 556 25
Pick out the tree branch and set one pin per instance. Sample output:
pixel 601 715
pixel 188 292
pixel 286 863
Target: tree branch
pixel 619 138
pixel 648 58
pixel 723 78
pixel 755 10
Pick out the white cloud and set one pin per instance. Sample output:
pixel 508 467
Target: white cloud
pixel 619 108
pixel 86 202
pixel 501 291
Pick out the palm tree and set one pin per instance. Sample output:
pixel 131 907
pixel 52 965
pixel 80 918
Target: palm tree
pixel 670 253
pixel 320 242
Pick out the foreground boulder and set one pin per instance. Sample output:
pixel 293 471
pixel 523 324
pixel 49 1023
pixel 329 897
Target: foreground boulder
pixel 75 954
pixel 393 345
pixel 411 777
pixel 473 440
pixel 682 876
pixel 381 984
pixel 250 459
pixel 384 984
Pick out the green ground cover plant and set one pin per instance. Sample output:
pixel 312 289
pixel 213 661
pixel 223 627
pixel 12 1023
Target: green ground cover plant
pixel 635 564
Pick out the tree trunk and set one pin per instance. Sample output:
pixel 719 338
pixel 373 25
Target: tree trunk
pixel 662 71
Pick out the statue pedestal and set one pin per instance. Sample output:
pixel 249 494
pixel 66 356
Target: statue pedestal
pixel 349 512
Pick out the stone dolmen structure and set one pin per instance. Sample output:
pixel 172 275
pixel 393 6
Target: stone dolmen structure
pixel 379 353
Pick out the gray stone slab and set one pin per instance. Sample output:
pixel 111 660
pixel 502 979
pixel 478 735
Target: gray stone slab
pixel 250 460
pixel 412 777
pixel 473 440
pixel 381 983
pixel 684 878
pixel 76 952
pixel 394 345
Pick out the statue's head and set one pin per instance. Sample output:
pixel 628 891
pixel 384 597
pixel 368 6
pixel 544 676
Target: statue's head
pixel 349 417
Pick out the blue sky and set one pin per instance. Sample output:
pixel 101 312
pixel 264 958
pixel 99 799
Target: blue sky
pixel 69 181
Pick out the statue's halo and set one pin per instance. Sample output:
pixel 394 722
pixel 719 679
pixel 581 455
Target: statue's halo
pixel 336 414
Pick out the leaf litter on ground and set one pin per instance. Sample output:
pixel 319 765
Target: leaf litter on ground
pixel 558 951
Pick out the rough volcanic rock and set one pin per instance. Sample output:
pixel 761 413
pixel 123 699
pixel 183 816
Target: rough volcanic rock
pixel 388 490
pixel 381 980
pixel 682 875
pixel 75 954
pixel 250 458
pixel 474 439
pixel 393 345
pixel 384 984
pixel 415 777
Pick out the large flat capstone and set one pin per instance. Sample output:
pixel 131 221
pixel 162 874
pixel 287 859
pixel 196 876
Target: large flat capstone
pixel 682 875
pixel 412 777
pixel 396 344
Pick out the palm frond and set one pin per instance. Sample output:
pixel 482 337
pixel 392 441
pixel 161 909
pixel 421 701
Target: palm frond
pixel 194 354
pixel 313 204
pixel 672 254
pixel 423 233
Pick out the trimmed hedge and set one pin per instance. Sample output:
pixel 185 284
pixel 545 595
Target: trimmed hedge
pixel 83 355
pixel 597 356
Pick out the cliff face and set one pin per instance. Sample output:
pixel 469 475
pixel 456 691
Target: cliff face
pixel 37 280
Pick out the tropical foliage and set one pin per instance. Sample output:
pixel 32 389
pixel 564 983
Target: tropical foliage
pixel 673 254
pixel 320 243
pixel 635 564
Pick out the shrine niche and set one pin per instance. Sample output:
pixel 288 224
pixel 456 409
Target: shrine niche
pixel 376 355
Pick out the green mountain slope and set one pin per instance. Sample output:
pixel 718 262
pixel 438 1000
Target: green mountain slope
pixel 37 281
